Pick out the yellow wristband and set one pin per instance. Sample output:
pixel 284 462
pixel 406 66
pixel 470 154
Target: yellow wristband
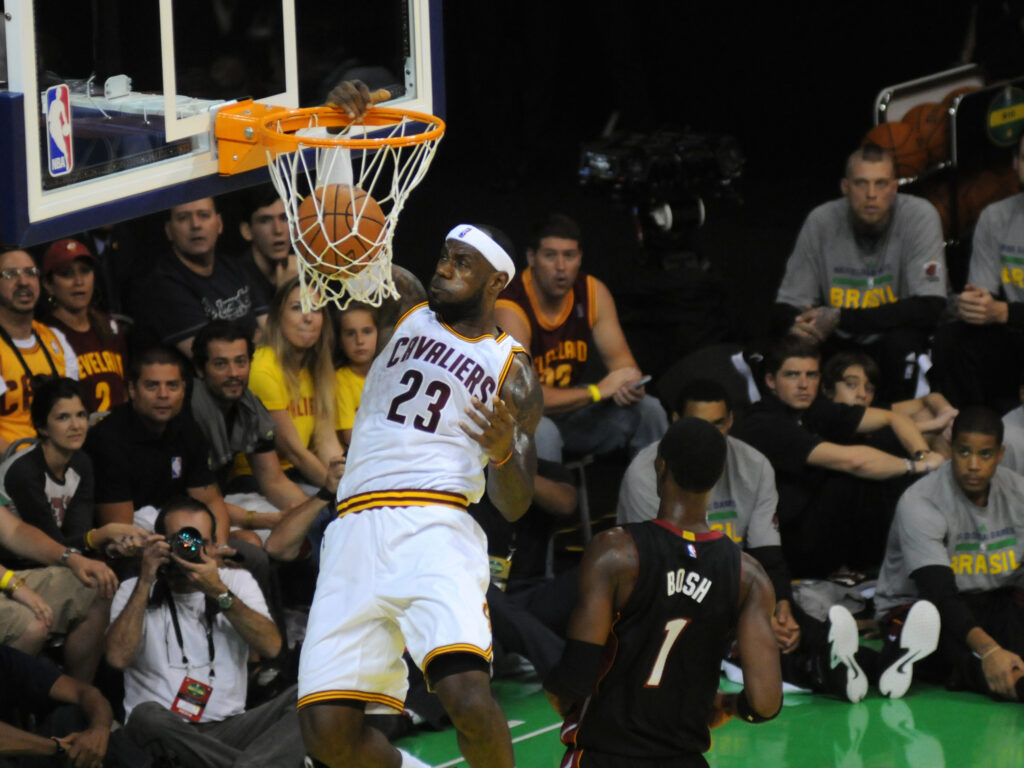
pixel 6 579
pixel 88 539
pixel 595 393
pixel 250 516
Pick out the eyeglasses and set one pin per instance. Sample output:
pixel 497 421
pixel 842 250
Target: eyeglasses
pixel 15 272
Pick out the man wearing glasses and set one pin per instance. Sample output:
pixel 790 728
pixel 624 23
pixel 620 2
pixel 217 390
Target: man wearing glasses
pixel 989 336
pixel 27 348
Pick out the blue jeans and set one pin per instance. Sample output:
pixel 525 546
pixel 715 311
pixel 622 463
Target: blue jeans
pixel 601 428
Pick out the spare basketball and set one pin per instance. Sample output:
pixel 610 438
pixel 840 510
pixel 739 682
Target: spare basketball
pixel 949 98
pixel 903 143
pixel 339 226
pixel 932 126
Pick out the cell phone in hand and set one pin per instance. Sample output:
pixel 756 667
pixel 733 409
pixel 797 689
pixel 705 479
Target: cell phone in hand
pixel 642 382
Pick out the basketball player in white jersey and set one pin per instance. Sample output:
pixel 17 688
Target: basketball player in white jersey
pixel 448 411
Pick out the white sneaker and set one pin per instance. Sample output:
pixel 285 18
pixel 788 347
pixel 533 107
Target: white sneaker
pixel 918 638
pixel 843 642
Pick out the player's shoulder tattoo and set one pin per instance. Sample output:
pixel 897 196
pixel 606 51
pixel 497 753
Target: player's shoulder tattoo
pixel 522 392
pixel 410 293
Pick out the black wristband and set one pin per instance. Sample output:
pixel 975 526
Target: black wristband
pixel 745 712
pixel 326 494
pixel 575 674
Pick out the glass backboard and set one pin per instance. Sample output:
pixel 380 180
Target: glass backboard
pixel 106 106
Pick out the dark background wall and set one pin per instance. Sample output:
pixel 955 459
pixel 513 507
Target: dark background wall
pixel 794 83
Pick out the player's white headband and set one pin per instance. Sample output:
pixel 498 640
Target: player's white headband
pixel 489 249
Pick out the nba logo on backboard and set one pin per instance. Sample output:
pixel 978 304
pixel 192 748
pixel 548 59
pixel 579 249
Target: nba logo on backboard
pixel 58 125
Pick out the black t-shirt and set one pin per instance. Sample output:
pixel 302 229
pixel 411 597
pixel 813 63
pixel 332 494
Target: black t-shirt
pixel 131 463
pixel 177 302
pixel 528 535
pixel 26 682
pixel 661 663
pixel 787 438
pixel 62 509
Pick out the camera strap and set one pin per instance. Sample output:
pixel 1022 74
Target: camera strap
pixel 181 643
pixel 17 352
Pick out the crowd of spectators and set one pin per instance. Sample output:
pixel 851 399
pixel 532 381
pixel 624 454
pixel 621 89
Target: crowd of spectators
pixel 173 441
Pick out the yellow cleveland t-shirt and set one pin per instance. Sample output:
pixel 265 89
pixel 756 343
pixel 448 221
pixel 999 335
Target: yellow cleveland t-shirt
pixel 267 381
pixel 349 393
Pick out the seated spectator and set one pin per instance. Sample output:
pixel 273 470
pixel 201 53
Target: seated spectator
pixel 268 260
pixel 50 485
pixel 293 375
pixel 978 358
pixel 167 452
pixel 56 720
pixel 868 272
pixel 238 427
pixel 358 340
pixel 68 276
pixel 834 508
pixel 528 609
pixel 61 593
pixel 191 286
pixel 561 316
pixel 955 542
pixel 741 505
pixel 27 347
pixel 853 378
pixel 183 631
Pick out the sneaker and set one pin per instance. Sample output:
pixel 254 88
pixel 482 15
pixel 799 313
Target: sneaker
pixel 918 638
pixel 845 676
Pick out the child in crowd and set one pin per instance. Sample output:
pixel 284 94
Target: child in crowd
pixel 358 332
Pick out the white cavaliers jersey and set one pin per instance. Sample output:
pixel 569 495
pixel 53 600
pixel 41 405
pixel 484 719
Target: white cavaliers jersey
pixel 407 446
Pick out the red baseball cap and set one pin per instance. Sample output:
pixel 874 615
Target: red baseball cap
pixel 61 253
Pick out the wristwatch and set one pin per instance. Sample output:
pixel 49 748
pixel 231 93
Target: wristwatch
pixel 68 553
pixel 920 455
pixel 60 747
pixel 225 600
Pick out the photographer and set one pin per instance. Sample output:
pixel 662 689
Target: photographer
pixel 182 632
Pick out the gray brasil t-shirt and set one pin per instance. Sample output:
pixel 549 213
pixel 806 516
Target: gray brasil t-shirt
pixel 935 524
pixel 742 503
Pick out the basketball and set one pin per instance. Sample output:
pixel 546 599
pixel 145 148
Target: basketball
pixel 345 235
pixel 933 127
pixel 904 143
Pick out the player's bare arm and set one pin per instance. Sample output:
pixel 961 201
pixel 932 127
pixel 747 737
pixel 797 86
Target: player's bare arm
pixel 607 577
pixel 410 293
pixel 761 697
pixel 505 431
pixel 611 343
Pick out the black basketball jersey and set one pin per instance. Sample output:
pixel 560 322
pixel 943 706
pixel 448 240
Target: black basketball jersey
pixel 661 663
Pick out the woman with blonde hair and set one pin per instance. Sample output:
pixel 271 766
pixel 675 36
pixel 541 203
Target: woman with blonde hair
pixel 293 375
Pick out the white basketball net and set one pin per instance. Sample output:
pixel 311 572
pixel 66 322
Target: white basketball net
pixel 387 173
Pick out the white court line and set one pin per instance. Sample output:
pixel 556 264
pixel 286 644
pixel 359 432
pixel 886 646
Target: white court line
pixel 516 740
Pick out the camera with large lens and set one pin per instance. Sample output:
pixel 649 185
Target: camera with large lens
pixel 187 543
pixel 663 177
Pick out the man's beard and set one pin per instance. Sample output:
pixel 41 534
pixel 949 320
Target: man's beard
pixel 870 230
pixel 452 312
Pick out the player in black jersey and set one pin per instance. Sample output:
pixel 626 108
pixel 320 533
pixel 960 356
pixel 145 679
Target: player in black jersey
pixel 659 603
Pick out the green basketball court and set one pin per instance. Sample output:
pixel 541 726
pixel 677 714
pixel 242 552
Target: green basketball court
pixel 929 728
